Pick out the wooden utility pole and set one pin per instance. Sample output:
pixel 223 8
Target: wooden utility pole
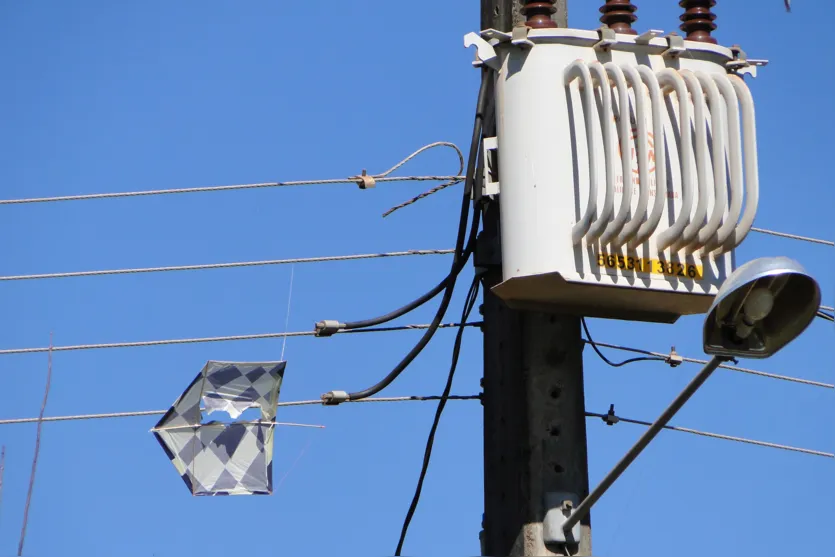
pixel 534 410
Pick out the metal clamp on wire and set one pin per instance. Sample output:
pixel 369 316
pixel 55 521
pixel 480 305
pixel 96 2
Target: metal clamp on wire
pixel 610 418
pixel 334 397
pixel 364 181
pixel 673 359
pixel 328 327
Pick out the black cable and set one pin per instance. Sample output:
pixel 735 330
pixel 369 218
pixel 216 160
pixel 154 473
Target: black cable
pixel 460 258
pixel 827 316
pixel 472 297
pixel 461 253
pixel 649 358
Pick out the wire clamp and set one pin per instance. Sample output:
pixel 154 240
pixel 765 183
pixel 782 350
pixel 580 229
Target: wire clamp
pixel 673 358
pixel 328 327
pixel 364 181
pixel 610 418
pixel 334 397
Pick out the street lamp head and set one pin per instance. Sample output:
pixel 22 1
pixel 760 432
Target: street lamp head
pixel 760 308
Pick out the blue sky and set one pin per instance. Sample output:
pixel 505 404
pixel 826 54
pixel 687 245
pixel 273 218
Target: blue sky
pixel 123 96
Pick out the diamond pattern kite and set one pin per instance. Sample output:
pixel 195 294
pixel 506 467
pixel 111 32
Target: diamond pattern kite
pixel 216 458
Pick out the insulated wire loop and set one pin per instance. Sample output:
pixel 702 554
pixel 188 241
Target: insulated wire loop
pixel 649 357
pixel 716 435
pixel 382 177
pixel 220 339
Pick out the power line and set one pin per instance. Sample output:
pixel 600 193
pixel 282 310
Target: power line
pixel 827 316
pixel 793 236
pixel 611 418
pixel 827 308
pixel 222 339
pixel 363 180
pixel 726 366
pixel 326 258
pixel 284 404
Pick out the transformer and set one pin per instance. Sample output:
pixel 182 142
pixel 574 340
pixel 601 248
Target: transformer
pixel 627 169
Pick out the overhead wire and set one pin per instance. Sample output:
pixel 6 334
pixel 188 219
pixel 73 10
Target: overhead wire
pixel 469 303
pixel 725 366
pixel 292 261
pixel 612 418
pixel 793 236
pixel 221 338
pixel 361 180
pixel 140 413
pixel 824 315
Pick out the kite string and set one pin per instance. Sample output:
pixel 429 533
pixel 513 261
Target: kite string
pixel 37 450
pixel 298 458
pixel 287 317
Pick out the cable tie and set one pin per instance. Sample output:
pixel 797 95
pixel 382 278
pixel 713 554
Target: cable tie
pixel 328 327
pixel 364 181
pixel 673 358
pixel 335 397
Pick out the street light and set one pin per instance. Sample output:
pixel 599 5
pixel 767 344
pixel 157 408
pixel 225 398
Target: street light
pixel 760 308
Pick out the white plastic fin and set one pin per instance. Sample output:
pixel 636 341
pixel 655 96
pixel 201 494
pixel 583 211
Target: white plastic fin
pixel 579 69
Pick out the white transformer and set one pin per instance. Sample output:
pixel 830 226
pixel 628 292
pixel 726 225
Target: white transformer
pixel 627 169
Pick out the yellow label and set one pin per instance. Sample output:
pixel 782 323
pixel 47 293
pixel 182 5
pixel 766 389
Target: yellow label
pixel 654 266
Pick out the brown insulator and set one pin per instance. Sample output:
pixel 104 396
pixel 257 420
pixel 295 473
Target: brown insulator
pixel 619 15
pixel 697 20
pixel 538 14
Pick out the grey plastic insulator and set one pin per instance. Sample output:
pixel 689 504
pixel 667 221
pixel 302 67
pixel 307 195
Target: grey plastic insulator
pixel 328 327
pixel 559 507
pixel 334 397
pixel 674 359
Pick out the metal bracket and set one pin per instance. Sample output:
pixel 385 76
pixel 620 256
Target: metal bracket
pixel 485 53
pixel 647 36
pixel 334 397
pixel 519 37
pixel 741 64
pixel 673 359
pixel 610 418
pixel 328 327
pixel 607 39
pixel 675 46
pixel 364 181
pixel 490 147
pixel 559 505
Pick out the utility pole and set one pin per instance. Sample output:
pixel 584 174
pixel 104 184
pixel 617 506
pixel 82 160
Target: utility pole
pixel 534 408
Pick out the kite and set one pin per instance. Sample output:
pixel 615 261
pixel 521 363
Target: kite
pixel 217 458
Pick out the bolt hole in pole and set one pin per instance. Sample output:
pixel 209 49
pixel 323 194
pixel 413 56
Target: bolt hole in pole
pixel 554 431
pixel 558 469
pixel 555 392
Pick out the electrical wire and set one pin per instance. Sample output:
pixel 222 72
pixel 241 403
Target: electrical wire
pixel 472 297
pixel 793 236
pixel 649 358
pixel 361 180
pixel 827 316
pixel 140 413
pixel 725 366
pixel 222 339
pixel 460 256
pixel 327 258
pixel 610 416
pixel 827 308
